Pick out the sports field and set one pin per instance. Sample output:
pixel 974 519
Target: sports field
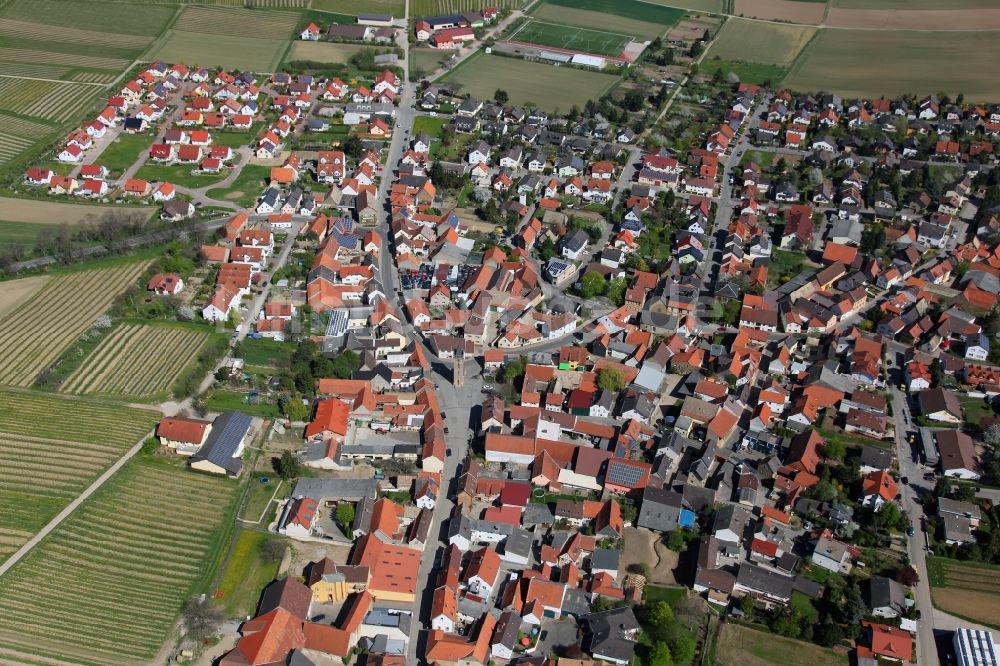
pixel 549 87
pixel 586 18
pixel 766 43
pixel 51 448
pixel 136 360
pixel 37 331
pixel 571 38
pixel 107 585
pixel 966 589
pixel 872 63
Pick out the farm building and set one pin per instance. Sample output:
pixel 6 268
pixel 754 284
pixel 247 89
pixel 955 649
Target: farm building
pixel 220 454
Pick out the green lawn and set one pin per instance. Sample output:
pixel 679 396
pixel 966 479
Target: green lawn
pixel 25 233
pixel 124 152
pixel 236 138
pixel 262 351
pixel 784 263
pixel 178 175
pixel 975 410
pixel 224 401
pixel 804 606
pixel 246 188
pixel 655 593
pixel 756 73
pixel 259 496
pixel 432 126
pixel 753 647
pixel 246 574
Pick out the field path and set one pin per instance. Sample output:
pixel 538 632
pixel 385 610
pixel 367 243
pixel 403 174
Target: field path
pixel 72 506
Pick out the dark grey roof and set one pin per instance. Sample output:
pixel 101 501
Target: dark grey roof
pixel 228 433
pixel 605 558
pixel 607 633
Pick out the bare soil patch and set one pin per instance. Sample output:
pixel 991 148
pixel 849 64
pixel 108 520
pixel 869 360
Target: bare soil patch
pixel 782 10
pixel 238 194
pixel 910 19
pixel 981 607
pixel 52 212
pixel 15 292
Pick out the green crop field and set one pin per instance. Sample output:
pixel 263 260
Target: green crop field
pixel 137 360
pixel 41 327
pixel 586 18
pixel 711 6
pixel 49 100
pixel 633 9
pixel 748 72
pixel 549 87
pixel 51 448
pixel 262 55
pixel 437 7
pixel 571 38
pixel 127 560
pixel 237 22
pixel 872 63
pixel 18 135
pixel 129 19
pixel 355 7
pixel 756 41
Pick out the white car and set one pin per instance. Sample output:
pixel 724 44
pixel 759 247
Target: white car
pixel 433 114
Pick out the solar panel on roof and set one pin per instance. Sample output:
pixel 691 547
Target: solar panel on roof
pixel 624 475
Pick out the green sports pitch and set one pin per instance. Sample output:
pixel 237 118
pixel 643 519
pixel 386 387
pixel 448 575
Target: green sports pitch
pixel 569 38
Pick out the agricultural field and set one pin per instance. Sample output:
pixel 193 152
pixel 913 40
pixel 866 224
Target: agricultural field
pixel 914 4
pixel 129 19
pixel 227 51
pixel 58 102
pixel 438 7
pixel 748 72
pixel 572 38
pixel 48 461
pixel 14 292
pixel 328 52
pixel 55 212
pixel 637 10
pixel 354 7
pixel 25 233
pixel 136 360
pixel 19 134
pixel 915 19
pixel 966 589
pixel 609 22
pixel 710 6
pixel 872 63
pixel 788 11
pixel 237 22
pixel 743 645
pixel 41 327
pixel 765 43
pixel 127 559
pixel 548 87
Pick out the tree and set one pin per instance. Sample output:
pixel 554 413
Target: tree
pixel 681 644
pixel 746 605
pixel 344 516
pixel 592 285
pixel 834 450
pixel 610 379
pixel 661 617
pixel 659 655
pixel 991 435
pixel 891 517
pixel 830 634
pixel 908 576
pixel 501 96
pixel 272 550
pixel 288 466
pixel 513 370
pixel 201 619
pixel 295 409
pixel 616 290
